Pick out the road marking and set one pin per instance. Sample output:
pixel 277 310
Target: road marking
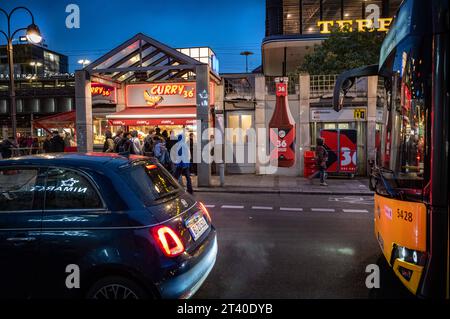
pixel 291 209
pixel 210 206
pixel 232 207
pixel 328 210
pixel 262 207
pixel 355 210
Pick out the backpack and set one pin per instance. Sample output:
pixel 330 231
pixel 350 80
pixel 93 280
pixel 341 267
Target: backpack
pixel 148 145
pixel 120 146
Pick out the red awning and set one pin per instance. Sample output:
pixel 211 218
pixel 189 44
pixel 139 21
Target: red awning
pixel 154 116
pixel 60 120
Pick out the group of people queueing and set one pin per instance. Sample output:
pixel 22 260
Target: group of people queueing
pixel 156 144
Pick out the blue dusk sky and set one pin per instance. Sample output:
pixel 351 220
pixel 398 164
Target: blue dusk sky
pixel 227 26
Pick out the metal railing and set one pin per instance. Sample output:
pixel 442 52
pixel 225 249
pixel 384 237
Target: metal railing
pixel 322 86
pixel 238 88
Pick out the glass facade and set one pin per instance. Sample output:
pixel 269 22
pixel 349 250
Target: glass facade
pixel 288 17
pixel 33 60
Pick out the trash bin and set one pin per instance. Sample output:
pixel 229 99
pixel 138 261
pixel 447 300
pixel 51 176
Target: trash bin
pixel 309 161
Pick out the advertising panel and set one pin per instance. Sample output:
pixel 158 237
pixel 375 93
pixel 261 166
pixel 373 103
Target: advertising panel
pixel 342 150
pixel 164 94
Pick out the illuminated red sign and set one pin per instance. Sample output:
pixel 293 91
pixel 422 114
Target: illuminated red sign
pixel 164 94
pixel 144 122
pixel 102 93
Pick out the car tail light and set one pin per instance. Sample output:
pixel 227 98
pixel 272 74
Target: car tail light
pixel 168 241
pixel 205 212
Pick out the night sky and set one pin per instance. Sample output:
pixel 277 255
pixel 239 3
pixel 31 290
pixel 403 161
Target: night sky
pixel 227 26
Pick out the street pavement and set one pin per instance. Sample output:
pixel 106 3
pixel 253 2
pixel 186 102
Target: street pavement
pixel 251 183
pixel 294 246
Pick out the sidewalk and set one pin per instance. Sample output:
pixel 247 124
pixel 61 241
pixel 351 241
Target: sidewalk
pixel 286 185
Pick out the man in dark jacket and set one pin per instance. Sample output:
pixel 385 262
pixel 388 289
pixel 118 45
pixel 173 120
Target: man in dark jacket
pixel 6 147
pixel 124 145
pixel 182 162
pixel 56 143
pixel 46 146
pixel 321 161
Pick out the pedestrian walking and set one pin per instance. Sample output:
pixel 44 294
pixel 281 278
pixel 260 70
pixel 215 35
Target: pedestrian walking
pixel 182 162
pixel 321 156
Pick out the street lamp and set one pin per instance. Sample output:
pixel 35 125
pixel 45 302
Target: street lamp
pixel 246 53
pixel 84 62
pixel 33 35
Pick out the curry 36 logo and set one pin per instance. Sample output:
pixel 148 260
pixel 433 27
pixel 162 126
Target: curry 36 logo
pixel 68 186
pixel 152 100
pixel 154 95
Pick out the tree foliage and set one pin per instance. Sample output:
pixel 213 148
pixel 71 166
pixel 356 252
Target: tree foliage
pixel 343 51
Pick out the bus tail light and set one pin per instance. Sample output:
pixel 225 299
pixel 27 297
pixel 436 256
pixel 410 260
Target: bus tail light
pixel 168 241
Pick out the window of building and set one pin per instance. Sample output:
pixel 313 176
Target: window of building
pixel 291 17
pixel 17 189
pixel 99 130
pixel 67 189
pixel 310 16
pixel 331 10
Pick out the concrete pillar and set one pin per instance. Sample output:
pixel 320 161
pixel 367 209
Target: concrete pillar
pixel 219 134
pixel 372 85
pixel 203 114
pixel 305 132
pixel 121 104
pixel 83 102
pixel 260 121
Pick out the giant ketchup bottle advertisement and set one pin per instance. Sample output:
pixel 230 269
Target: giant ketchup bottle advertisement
pixel 282 129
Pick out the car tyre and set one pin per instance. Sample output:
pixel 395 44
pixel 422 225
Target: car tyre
pixel 117 288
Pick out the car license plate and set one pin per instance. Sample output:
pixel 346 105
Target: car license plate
pixel 197 225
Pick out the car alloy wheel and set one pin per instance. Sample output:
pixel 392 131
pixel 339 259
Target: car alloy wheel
pixel 115 292
pixel 117 288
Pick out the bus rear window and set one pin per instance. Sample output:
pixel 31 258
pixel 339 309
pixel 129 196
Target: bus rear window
pixel 151 182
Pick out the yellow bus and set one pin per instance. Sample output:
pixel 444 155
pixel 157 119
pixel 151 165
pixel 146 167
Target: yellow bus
pixel 410 176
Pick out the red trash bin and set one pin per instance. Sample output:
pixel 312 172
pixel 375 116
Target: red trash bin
pixel 309 161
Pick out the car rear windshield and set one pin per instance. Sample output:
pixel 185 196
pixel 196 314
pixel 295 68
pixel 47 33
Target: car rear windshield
pixel 151 182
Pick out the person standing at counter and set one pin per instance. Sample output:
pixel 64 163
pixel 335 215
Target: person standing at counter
pixel 6 147
pixel 46 146
pixel 108 146
pixel 56 143
pixel 124 145
pixel 136 147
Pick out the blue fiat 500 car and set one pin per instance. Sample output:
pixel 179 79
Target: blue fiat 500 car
pixel 100 226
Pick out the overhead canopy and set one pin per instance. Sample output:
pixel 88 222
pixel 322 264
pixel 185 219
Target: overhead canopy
pixel 144 59
pixel 287 50
pixel 66 119
pixel 152 116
